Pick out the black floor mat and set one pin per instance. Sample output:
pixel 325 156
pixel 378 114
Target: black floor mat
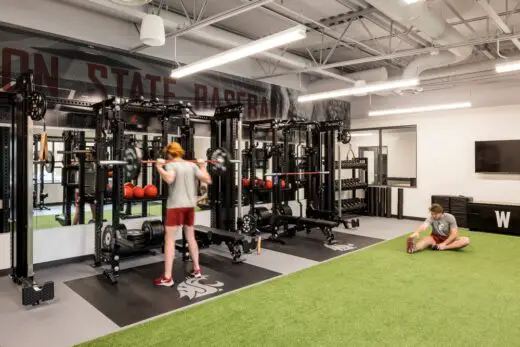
pixel 313 246
pixel 135 298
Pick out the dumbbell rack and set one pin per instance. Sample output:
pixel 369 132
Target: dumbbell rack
pixel 352 205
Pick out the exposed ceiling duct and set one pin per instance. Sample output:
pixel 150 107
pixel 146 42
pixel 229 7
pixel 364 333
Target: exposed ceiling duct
pixel 211 35
pixel 131 2
pixel 419 16
pixel 369 76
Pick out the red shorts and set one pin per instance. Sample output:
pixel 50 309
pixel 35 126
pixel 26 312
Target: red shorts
pixel 439 239
pixel 180 216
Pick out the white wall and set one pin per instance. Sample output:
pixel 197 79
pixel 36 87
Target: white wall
pixel 5 251
pixel 401 153
pixel 445 154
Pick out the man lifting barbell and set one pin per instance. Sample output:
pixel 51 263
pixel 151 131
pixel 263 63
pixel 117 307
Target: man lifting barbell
pixel 181 176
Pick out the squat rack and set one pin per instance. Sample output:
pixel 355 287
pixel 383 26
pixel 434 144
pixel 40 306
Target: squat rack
pixel 26 105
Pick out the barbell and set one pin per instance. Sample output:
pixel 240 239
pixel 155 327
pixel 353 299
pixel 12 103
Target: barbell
pixel 133 162
pixel 276 174
pixel 219 160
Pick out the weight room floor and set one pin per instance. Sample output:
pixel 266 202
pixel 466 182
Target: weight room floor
pixel 354 299
pixel 57 323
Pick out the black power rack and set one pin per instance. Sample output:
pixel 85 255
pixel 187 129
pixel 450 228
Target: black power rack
pixel 24 105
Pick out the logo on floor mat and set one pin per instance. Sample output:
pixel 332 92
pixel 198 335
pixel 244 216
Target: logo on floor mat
pixel 341 248
pixel 193 289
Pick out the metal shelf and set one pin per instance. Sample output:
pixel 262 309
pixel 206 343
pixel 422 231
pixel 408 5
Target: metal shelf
pixel 355 187
pixel 351 165
pixel 145 199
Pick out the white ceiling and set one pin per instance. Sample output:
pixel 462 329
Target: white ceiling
pixel 280 15
pixel 363 38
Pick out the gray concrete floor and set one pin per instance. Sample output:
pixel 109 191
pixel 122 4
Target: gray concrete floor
pixel 69 319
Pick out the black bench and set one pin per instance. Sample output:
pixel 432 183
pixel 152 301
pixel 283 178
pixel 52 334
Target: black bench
pixel 214 233
pixel 304 223
pixel 319 223
pixel 235 241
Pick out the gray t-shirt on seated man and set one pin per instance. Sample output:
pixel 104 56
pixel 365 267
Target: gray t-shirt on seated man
pixel 182 193
pixel 443 226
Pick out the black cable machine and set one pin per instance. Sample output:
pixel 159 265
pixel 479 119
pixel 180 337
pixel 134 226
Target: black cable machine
pixel 260 219
pixel 320 192
pixel 293 224
pixel 25 106
pixel 225 194
pixel 115 241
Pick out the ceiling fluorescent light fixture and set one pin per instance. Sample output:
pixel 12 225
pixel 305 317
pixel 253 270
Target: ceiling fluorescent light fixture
pixel 507 67
pixel 419 109
pixel 366 89
pixel 411 1
pixel 279 39
pixel 131 2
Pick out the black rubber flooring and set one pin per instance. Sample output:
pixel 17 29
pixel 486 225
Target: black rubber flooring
pixel 134 298
pixel 313 246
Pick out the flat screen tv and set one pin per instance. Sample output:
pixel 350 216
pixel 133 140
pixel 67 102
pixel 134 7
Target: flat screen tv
pixel 497 156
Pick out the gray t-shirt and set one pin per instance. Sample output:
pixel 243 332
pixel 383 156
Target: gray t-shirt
pixel 90 178
pixel 182 193
pixel 443 226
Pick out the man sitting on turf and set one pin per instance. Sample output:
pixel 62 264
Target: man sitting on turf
pixel 444 234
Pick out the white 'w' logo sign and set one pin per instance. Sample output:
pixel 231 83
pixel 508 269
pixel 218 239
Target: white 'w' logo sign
pixel 502 219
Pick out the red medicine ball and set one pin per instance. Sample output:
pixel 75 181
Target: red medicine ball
pixel 269 184
pixel 128 193
pixel 138 192
pixel 151 191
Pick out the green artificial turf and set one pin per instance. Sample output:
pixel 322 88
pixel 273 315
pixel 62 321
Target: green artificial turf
pixel 47 222
pixel 380 296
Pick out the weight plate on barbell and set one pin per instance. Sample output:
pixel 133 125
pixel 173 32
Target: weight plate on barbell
pixel 248 224
pixel 49 165
pixel 285 210
pixel 132 156
pixel 108 238
pixel 154 229
pixel 221 161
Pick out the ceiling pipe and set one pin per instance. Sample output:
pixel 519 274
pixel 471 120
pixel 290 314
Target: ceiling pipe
pixel 211 20
pixel 214 36
pixel 369 76
pixel 465 69
pixel 419 16
pixel 321 29
pixel 498 21
pixel 405 53
pixel 211 35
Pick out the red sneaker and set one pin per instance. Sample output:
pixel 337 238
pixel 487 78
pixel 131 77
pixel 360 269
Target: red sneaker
pixel 410 245
pixel 163 281
pixel 196 273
